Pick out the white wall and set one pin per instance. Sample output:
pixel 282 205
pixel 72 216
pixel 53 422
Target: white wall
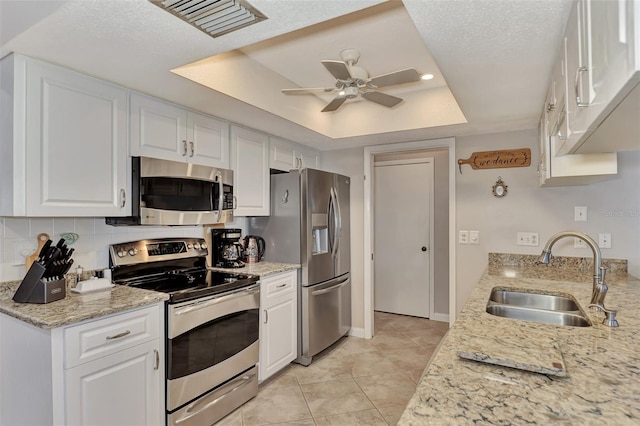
pixel 91 249
pixel 613 207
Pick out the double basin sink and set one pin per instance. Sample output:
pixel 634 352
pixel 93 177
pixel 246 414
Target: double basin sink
pixel 555 309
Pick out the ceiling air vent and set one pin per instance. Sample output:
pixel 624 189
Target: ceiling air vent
pixel 214 17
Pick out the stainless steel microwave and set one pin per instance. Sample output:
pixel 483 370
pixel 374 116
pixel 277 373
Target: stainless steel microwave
pixel 178 193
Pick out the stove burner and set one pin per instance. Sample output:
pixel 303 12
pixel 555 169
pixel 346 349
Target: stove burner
pixel 182 278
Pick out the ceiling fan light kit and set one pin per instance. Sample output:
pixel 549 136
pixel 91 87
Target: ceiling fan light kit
pixel 353 81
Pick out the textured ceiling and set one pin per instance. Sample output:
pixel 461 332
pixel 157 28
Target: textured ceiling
pixel 495 56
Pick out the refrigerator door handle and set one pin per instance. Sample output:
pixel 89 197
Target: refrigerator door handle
pixel 342 283
pixel 334 218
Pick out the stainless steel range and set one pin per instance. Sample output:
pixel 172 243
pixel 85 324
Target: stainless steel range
pixel 212 324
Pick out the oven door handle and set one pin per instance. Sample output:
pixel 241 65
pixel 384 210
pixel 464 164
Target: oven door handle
pixel 246 379
pixel 206 303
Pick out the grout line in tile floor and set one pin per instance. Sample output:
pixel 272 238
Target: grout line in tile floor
pixel 355 381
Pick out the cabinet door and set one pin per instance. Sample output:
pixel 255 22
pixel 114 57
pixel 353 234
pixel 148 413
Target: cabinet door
pixel 208 140
pixel 612 48
pixel 158 129
pixel 278 342
pixel 308 157
pixel 76 144
pixel 579 88
pixel 282 155
pixel 121 389
pixel 250 164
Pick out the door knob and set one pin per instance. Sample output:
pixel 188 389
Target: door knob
pixel 423 248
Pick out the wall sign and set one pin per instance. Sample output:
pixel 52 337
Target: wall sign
pixel 498 159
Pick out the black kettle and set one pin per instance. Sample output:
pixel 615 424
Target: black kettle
pixel 253 248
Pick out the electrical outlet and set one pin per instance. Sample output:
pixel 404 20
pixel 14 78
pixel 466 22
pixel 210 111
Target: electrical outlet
pixel 604 240
pixel 22 249
pixel 463 237
pixel 579 243
pixel 580 214
pixel 527 239
pixel 474 237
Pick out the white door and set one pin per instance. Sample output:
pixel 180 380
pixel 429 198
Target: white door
pixel 402 236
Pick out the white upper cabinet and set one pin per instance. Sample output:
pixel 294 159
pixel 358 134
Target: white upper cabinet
pixel 163 130
pixel 250 165
pixel 554 130
pixel 603 68
pixel 285 155
pixel 63 143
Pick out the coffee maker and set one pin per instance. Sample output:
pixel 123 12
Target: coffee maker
pixel 226 250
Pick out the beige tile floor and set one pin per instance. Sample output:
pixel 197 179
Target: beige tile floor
pixel 354 382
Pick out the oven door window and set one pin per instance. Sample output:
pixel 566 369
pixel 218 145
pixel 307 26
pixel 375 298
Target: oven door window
pixel 212 343
pixel 165 193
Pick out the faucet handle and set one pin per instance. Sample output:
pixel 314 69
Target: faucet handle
pixel 609 315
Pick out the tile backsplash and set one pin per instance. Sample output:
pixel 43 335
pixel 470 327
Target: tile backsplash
pixel 18 236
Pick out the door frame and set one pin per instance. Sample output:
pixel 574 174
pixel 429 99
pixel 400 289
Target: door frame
pixel 369 152
pixel 421 160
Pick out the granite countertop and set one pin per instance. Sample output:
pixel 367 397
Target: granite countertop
pixel 261 268
pixel 602 382
pixel 79 307
pixel 76 307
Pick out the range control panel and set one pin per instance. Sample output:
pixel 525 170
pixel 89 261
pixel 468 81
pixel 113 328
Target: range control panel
pixel 143 251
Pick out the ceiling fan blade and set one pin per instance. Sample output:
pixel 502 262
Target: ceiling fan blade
pixel 382 99
pixel 334 104
pixel 338 69
pixel 308 91
pixel 397 77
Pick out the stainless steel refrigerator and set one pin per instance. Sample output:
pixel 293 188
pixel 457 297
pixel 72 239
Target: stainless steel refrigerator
pixel 309 225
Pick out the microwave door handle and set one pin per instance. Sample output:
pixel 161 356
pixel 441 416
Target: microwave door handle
pixel 220 194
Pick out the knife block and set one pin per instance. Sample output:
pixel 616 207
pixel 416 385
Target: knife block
pixel 34 289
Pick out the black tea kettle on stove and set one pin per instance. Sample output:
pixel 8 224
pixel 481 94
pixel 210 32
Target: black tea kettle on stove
pixel 254 247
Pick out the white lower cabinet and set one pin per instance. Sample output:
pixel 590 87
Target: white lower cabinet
pixel 118 389
pixel 279 323
pixel 108 371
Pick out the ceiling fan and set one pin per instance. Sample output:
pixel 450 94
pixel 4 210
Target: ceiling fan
pixel 352 81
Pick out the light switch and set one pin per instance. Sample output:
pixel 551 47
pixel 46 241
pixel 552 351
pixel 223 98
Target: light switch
pixel 580 213
pixel 474 237
pixel 604 240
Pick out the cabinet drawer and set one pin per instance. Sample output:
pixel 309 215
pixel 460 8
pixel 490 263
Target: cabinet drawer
pixel 277 285
pixel 95 339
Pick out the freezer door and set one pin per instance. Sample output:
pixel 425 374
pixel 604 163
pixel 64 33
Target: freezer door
pixel 317 260
pixel 342 235
pixel 326 314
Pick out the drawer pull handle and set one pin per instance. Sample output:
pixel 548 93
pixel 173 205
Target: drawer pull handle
pixel 119 335
pixel 157 363
pixel 281 285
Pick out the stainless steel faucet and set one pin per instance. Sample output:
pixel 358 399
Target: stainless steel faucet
pixel 599 287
